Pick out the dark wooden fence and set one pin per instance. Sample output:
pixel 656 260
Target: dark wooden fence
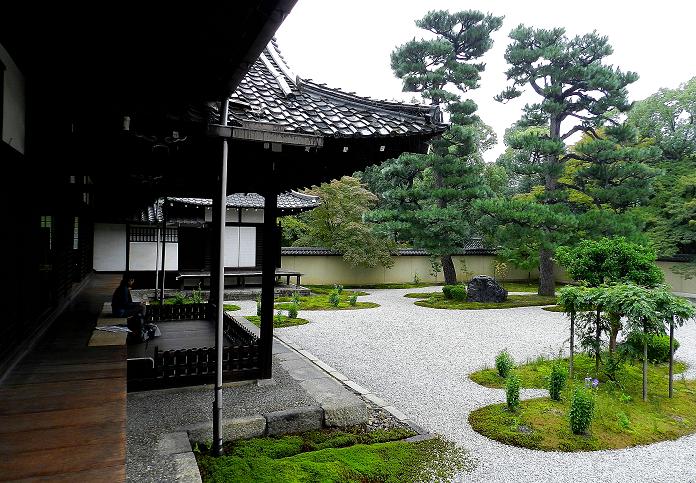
pixel 159 313
pixel 196 365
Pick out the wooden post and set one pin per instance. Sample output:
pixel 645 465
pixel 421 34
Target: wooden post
pixel 671 355
pixel 219 237
pixel 157 252
pixel 270 239
pixel 598 336
pixel 164 248
pixel 572 344
pixel 645 361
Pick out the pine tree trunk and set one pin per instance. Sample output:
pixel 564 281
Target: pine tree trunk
pixel 448 270
pixel 547 284
pixel 645 362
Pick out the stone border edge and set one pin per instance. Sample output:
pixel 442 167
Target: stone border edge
pixel 361 391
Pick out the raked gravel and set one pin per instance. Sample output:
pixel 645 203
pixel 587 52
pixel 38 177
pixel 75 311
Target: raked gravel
pixel 418 359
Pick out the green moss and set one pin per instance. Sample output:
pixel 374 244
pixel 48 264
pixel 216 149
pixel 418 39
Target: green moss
pixel 419 295
pixel 621 419
pixel 321 302
pixel 278 322
pixel 437 301
pixel 326 290
pixel 396 285
pixel 334 455
pixel 554 308
pixel 231 307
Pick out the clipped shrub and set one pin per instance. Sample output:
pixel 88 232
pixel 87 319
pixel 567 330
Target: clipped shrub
pixel 447 291
pixel 295 298
pixel 179 298
pixel 353 300
pixel 582 406
pixel 292 311
pixel 504 364
pixel 557 381
pixel 512 391
pixel 658 347
pixel 338 288
pixel 335 297
pixel 279 316
pixel 458 292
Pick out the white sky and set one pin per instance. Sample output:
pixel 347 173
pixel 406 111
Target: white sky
pixel 347 43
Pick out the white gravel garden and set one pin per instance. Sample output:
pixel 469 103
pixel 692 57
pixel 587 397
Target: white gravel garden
pixel 419 359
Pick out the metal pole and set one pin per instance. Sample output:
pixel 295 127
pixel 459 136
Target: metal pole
pixel 164 248
pixel 220 278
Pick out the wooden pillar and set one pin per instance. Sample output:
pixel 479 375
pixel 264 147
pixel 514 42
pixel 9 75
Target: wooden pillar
pixel 127 247
pixel 164 248
pixel 270 240
pixel 219 270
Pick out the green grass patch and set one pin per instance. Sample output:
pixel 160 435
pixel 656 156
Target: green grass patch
pixel 326 290
pixel 438 301
pixel 554 308
pixel 420 295
pixel 321 302
pixel 334 455
pixel 278 322
pixel 621 419
pixel 231 307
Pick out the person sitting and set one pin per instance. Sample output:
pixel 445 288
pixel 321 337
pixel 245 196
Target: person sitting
pixel 122 304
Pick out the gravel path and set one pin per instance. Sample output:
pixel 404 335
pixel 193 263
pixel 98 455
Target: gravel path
pixel 419 358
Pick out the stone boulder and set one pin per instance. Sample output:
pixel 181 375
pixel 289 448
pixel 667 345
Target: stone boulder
pixel 483 288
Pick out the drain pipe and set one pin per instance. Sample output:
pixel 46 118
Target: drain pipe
pixel 219 303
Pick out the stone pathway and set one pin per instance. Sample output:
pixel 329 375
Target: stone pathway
pixel 418 360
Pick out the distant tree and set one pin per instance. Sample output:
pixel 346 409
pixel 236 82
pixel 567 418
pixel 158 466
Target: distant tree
pixel 574 85
pixel 426 197
pixel 293 229
pixel 612 169
pixel 337 223
pixel 669 117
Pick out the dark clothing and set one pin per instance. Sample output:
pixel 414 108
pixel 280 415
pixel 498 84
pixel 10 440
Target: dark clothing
pixel 122 304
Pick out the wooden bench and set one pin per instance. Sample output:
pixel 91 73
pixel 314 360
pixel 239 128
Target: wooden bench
pixel 240 275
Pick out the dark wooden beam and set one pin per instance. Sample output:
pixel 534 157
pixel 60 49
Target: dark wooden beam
pixel 270 252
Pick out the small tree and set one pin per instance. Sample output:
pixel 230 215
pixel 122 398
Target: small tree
pixel 640 305
pixel 610 260
pixel 674 311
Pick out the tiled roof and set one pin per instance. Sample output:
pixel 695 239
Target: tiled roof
pixel 271 93
pixel 474 246
pixel 289 200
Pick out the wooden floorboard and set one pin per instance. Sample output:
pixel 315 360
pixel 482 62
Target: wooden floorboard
pixel 63 408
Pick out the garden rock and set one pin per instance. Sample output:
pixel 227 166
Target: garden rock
pixel 483 288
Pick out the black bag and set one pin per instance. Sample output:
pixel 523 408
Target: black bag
pixel 136 324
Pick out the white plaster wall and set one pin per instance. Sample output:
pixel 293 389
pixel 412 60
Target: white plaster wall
pixel 231 215
pixel 13 115
pixel 250 215
pixel 109 247
pixel 143 255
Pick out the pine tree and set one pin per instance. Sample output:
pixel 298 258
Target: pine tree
pixel 576 88
pixel 428 196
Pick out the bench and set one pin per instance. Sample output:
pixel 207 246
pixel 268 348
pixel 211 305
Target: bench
pixel 240 275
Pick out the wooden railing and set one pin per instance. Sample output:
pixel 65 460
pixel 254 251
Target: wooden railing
pixel 159 313
pixel 178 367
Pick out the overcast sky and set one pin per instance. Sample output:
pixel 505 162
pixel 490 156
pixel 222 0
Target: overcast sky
pixel 347 43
